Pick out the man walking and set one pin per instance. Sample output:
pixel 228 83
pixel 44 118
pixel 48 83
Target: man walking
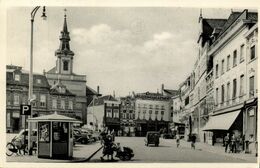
pixel 193 141
pixel 226 141
pixel 178 140
pixel 233 144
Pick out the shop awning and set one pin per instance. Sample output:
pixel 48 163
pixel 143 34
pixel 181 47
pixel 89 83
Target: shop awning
pixel 222 121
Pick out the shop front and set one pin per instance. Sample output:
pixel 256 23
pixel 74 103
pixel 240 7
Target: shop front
pixel 220 124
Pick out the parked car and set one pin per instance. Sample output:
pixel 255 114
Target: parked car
pixel 152 137
pixel 81 137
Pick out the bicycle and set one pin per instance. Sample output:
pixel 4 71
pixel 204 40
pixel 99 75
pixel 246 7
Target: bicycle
pixel 16 146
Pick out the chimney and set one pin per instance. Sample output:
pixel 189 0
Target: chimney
pixel 162 88
pixel 97 89
pixel 114 94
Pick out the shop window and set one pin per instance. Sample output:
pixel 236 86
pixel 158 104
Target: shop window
pixel 252 52
pixel 44 132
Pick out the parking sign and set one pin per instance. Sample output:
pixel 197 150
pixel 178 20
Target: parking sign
pixel 25 110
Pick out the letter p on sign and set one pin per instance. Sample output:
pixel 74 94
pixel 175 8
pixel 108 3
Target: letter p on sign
pixel 25 110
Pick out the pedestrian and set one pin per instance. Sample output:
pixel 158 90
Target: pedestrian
pixel 178 140
pixel 233 144
pixel 113 135
pixel 226 142
pixel 193 141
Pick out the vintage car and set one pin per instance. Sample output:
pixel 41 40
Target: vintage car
pixel 81 136
pixel 152 137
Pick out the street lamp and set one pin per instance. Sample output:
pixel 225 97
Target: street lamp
pixel 30 96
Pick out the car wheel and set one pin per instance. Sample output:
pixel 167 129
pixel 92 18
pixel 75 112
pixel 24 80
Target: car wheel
pixel 127 157
pixel 83 141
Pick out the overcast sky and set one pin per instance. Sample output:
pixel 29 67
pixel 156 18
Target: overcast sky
pixel 121 49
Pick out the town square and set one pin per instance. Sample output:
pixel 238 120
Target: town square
pixel 132 85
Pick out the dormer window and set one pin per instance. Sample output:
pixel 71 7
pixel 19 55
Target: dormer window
pixel 17 77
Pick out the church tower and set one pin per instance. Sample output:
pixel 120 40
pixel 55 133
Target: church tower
pixel 63 73
pixel 64 62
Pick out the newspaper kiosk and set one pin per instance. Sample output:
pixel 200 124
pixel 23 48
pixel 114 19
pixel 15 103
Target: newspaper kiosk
pixel 55 136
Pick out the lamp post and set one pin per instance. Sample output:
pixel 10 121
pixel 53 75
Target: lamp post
pixel 30 96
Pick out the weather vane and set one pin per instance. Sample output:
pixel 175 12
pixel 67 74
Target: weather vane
pixel 65 11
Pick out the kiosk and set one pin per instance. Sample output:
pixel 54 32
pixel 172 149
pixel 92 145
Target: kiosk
pixel 55 136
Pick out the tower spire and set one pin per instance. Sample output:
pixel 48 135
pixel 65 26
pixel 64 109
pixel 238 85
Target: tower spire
pixel 200 18
pixel 64 63
pixel 65 28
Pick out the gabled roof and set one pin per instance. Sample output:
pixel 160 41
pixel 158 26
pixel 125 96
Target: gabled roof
pixel 101 100
pixel 239 15
pixel 53 70
pixel 232 17
pixel 90 91
pixel 55 90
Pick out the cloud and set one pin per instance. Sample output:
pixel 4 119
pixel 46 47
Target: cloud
pixel 112 56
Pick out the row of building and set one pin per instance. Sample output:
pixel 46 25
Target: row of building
pixel 220 94
pixel 133 115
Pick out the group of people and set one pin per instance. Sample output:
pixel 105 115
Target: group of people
pixel 192 139
pixel 107 140
pixel 234 144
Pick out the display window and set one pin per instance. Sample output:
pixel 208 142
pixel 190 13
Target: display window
pixel 44 132
pixel 60 131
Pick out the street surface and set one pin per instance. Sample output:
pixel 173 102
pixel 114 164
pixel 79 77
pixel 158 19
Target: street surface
pixel 167 152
